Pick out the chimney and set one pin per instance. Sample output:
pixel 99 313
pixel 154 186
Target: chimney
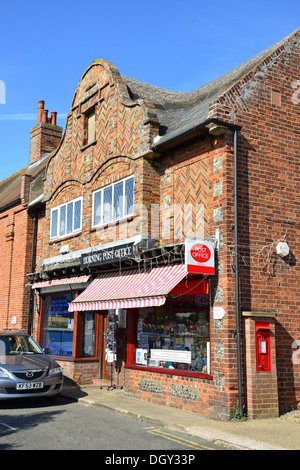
pixel 45 136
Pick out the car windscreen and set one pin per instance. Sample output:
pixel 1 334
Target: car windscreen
pixel 18 344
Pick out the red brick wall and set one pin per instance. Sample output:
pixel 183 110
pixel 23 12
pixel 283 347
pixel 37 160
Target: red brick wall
pixel 262 387
pixel 80 372
pixel 122 129
pixel 202 174
pixel 15 255
pixel 265 104
pixel 173 390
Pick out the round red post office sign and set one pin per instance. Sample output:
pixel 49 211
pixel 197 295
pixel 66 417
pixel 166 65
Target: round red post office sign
pixel 200 253
pixel 199 256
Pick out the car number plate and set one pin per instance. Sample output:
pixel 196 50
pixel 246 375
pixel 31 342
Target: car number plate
pixel 29 385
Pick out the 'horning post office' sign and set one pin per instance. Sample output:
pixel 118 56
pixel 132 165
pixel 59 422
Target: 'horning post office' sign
pixel 108 255
pixel 199 256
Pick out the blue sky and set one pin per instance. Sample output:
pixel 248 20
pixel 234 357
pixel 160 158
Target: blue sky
pixel 46 47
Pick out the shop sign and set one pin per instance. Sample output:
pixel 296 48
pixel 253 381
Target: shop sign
pixel 108 255
pixel 218 313
pixel 199 256
pixel 171 355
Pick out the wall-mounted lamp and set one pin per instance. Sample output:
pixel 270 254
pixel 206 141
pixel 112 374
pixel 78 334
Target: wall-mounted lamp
pixel 216 129
pixel 282 249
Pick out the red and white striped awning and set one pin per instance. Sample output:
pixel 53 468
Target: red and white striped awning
pixel 129 289
pixel 59 282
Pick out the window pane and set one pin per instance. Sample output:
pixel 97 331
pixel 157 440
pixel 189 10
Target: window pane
pixel 62 221
pixel 118 200
pixel 177 339
pixel 54 223
pixel 129 196
pixel 77 215
pixel 88 334
pixel 91 127
pixel 70 218
pixel 97 207
pixel 58 324
pixel 107 204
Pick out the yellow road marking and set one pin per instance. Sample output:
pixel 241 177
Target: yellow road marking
pixel 180 440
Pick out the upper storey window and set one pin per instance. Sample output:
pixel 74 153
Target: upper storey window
pixel 113 202
pixel 66 219
pixel 89 128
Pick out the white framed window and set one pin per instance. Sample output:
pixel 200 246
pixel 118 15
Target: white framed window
pixel 66 219
pixel 113 202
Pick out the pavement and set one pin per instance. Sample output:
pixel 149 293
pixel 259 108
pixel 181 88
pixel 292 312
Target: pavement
pixel 282 433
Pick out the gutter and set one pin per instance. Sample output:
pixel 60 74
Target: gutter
pixel 193 129
pixel 235 128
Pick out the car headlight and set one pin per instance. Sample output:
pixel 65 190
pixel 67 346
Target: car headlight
pixel 4 374
pixel 55 371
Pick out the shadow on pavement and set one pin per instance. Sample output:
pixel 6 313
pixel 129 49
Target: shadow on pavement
pixel 70 392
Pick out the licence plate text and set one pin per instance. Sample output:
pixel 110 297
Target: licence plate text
pixel 29 385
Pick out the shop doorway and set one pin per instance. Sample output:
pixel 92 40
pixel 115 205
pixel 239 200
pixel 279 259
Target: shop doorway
pixel 104 370
pixel 111 360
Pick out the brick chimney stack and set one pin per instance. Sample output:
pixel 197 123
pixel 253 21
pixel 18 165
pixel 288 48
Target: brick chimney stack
pixel 45 136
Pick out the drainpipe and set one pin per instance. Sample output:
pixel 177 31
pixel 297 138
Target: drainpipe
pixel 219 129
pixel 237 274
pixel 30 310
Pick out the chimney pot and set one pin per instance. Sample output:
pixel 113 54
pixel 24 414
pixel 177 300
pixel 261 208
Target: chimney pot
pixel 41 104
pixel 53 117
pixel 45 115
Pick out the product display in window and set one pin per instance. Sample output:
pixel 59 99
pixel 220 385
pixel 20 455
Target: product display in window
pixel 58 328
pixel 174 337
pixel 58 325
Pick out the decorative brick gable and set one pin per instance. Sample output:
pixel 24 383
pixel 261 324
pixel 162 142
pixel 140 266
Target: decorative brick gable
pixel 123 127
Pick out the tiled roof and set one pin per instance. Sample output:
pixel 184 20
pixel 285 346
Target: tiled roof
pixel 10 187
pixel 179 112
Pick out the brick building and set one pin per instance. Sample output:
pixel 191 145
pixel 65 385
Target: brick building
pixel 138 173
pixel 17 224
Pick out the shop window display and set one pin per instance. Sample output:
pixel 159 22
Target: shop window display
pixel 58 325
pixel 175 336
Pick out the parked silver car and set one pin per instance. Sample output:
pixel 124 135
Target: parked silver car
pixel 25 370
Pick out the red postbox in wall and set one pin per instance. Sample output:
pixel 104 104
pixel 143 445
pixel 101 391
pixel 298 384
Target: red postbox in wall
pixel 263 346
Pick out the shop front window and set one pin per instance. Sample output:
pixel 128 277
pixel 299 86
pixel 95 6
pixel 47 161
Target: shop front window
pixel 174 337
pixel 58 325
pixel 58 328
